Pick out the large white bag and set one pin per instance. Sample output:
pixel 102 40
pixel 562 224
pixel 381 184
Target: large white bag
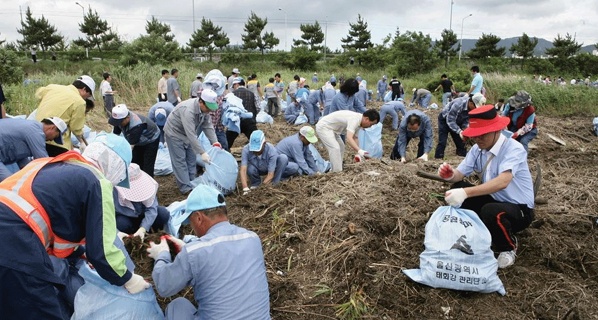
pixel 370 140
pixel 457 253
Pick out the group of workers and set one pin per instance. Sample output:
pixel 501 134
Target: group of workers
pixel 111 192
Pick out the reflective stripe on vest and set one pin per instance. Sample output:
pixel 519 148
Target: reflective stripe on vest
pixel 18 195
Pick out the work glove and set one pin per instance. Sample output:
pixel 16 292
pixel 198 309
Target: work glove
pixel 446 172
pixel 217 145
pixel 205 157
pixel 178 99
pixel 162 96
pixel 357 158
pixel 362 153
pixel 246 191
pixel 140 233
pixel 403 160
pixel 136 284
pixel 517 134
pixel 178 243
pixel 424 157
pixel 455 197
pixel 82 146
pixel 155 249
pixel 461 135
pixel 121 235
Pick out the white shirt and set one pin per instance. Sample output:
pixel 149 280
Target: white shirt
pixel 341 121
pixel 105 87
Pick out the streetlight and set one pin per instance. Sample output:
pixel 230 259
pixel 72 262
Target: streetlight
pixel 325 38
pixel 451 21
pixel 285 28
pixel 194 49
pixel 461 44
pixel 82 8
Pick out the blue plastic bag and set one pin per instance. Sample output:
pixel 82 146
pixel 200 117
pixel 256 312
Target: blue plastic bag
pixel 301 119
pixel 370 140
pixel 163 165
pixel 323 165
pixel 98 299
pixel 221 173
pixel 176 209
pixel 457 253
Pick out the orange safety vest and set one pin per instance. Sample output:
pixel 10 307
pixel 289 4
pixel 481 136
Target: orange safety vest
pixel 16 193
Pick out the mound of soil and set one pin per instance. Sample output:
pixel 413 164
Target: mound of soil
pixel 335 244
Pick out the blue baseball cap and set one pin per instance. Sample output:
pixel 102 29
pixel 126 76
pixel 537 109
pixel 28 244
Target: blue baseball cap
pixel 121 147
pixel 333 79
pixel 160 116
pixel 256 140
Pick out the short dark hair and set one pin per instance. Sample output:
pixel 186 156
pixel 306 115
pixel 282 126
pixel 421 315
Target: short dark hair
pixel 173 71
pixel 501 100
pixel 443 75
pixel 80 85
pixel 350 87
pixel 89 105
pixel 414 119
pixel 105 75
pixel 306 86
pixel 333 83
pixel 372 114
pixel 253 76
pixel 241 82
pixel 271 80
pixel 296 77
pixel 164 71
pixel 475 69
pixel 277 75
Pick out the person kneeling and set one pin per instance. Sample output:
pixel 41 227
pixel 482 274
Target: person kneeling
pixel 261 158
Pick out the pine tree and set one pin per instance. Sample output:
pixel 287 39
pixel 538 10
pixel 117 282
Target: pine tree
pixel 524 47
pixel 209 37
pixel 99 34
pixel 38 32
pixel 161 29
pixel 446 45
pixel 485 47
pixel 359 37
pixel 253 38
pixel 312 36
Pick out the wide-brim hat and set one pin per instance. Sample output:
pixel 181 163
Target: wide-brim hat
pixel 483 120
pixel 142 186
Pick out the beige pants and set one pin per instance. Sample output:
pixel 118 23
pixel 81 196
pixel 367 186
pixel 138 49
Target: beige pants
pixel 335 146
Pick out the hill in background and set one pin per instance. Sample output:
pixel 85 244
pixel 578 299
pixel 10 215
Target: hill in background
pixel 540 49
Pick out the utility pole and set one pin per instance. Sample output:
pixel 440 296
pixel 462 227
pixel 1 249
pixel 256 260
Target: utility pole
pixel 461 44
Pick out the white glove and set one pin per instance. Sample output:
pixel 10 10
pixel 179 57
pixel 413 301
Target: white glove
pixel 424 157
pixel 403 160
pixel 140 233
pixel 121 235
pixel 205 157
pixel 455 197
pixel 246 191
pixel 136 284
pixel 446 172
pixel 178 99
pixel 82 146
pixel 162 96
pixel 362 153
pixel 461 135
pixel 178 243
pixel 155 249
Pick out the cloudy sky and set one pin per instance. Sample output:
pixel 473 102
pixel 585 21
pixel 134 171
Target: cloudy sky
pixel 504 18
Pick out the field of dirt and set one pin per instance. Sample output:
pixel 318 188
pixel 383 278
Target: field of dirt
pixel 335 244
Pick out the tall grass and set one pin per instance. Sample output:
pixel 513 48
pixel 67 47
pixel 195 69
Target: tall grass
pixel 137 85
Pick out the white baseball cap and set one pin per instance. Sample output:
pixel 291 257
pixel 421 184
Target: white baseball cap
pixel 60 125
pixel 88 81
pixel 119 112
pixel 209 98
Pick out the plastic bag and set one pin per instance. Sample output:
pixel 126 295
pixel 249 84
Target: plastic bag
pixel 457 253
pixel 221 173
pixel 370 140
pixel 323 165
pixel 176 209
pixel 216 81
pixel 387 96
pixel 301 119
pixel 163 165
pixel 98 299
pixel 263 117
pixel 595 122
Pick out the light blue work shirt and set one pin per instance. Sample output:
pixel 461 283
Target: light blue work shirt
pixel 424 132
pixel 226 269
pixel 456 114
pixel 265 162
pixel 509 155
pixel 298 153
pixel 362 96
pixel 343 102
pixel 478 82
pixel 20 139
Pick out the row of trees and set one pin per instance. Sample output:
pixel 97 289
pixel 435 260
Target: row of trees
pixel 409 52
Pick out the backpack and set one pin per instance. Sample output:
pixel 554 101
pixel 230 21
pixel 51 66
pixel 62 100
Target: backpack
pixel 457 253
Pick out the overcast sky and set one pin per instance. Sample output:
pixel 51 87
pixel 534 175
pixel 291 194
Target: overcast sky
pixel 504 18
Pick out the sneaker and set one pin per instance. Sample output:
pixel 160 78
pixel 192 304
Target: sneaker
pixel 506 259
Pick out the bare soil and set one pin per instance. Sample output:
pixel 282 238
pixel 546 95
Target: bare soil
pixel 335 244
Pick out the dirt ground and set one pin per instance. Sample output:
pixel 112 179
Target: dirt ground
pixel 335 244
